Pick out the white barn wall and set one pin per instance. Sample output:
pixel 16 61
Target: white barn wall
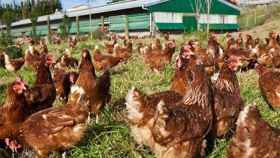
pixel 230 19
pixel 166 17
pixel 218 19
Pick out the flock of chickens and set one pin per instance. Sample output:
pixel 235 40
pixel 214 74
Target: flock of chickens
pixel 202 105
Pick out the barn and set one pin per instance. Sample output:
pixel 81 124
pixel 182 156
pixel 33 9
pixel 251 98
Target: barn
pixel 148 16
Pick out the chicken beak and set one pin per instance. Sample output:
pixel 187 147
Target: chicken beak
pixel 239 64
pixel 84 55
pixel 50 59
pixel 7 141
pixel 24 87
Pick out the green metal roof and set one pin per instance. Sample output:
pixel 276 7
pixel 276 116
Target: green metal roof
pixel 187 6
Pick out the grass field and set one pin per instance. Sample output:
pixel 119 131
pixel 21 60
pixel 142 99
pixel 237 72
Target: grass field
pixel 260 20
pixel 110 138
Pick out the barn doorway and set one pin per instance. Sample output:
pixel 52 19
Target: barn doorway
pixel 190 23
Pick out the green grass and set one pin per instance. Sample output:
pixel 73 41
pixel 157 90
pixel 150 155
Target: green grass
pixel 110 138
pixel 255 16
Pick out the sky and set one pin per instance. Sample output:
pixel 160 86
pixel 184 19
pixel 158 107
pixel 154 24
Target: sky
pixel 69 3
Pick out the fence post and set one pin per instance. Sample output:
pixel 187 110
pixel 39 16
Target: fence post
pixel 49 29
pixel 78 26
pixel 102 23
pixel 151 25
pixel 90 25
pixel 247 21
pixel 255 13
pixel 126 30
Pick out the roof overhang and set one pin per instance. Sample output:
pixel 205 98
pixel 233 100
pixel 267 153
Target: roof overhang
pixel 155 3
pixel 123 5
pixel 55 16
pixel 229 4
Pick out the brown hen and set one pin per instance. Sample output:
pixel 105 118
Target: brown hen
pixel 141 110
pixel 62 84
pixel 32 56
pixel 179 130
pixel 43 92
pixel 86 62
pixel 124 52
pixel 97 90
pixel 2 59
pixel 63 81
pixel 179 81
pixel 67 61
pixel 13 64
pixel 104 62
pixel 269 81
pixel 157 58
pixel 227 100
pixel 57 128
pixel 204 56
pixel 13 111
pixel 254 138
pixel 110 46
pixel 72 42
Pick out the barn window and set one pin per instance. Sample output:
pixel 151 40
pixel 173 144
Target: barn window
pixel 164 17
pixel 230 19
pixel 218 19
pixel 213 19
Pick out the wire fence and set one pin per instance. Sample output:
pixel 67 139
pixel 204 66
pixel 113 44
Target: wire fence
pixel 258 15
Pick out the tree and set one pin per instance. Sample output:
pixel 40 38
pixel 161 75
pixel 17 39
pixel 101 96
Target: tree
pixel 208 4
pixel 34 17
pixel 7 18
pixel 58 5
pixel 64 27
pixel 197 8
pixel 5 39
pixel 23 9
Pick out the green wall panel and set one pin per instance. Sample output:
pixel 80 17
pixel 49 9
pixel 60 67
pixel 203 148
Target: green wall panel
pixel 18 31
pixel 42 30
pixel 182 27
pixel 139 21
pixel 116 23
pixel 135 22
pixel 221 26
pixel 190 23
pixel 169 26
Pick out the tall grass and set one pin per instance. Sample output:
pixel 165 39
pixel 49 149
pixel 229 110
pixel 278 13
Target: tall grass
pixel 255 16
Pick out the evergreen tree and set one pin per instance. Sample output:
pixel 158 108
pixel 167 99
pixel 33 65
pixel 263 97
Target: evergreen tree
pixel 35 12
pixel 64 27
pixel 23 9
